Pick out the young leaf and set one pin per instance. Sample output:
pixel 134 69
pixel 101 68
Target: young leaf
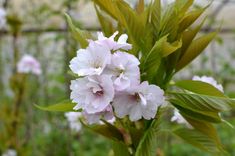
pixel 199 87
pixel 65 106
pixel 106 24
pixel 155 16
pixel 79 35
pixel 135 24
pixel 183 5
pixel 190 18
pixel 110 8
pixel 162 48
pixel 140 7
pixel 196 47
pixel 188 36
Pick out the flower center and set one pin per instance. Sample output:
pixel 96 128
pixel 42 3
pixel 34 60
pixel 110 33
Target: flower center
pixel 99 93
pixel 138 97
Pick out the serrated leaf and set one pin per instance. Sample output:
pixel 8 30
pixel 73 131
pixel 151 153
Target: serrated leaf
pixel 190 18
pixel 196 114
pixel 135 24
pixel 198 139
pixel 188 36
pixel 199 87
pixel 195 49
pixel 155 16
pixel 204 102
pixel 106 24
pixel 65 106
pixel 183 5
pixel 110 7
pixel 169 23
pixel 206 128
pixel 79 35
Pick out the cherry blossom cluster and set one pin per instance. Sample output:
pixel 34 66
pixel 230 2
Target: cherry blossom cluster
pixel 28 64
pixel 109 82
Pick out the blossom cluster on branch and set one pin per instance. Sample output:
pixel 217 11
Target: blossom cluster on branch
pixel 109 82
pixel 28 64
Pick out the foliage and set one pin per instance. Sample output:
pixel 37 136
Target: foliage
pixel 166 42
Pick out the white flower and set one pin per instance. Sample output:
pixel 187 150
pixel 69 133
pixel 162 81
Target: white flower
pixel 124 70
pixel 73 119
pixel 111 43
pixel 177 117
pixel 10 152
pixel 91 61
pixel 139 101
pixel 93 94
pixel 209 80
pixel 106 114
pixel 2 17
pixel 28 64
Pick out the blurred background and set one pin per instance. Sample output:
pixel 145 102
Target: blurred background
pixel 39 28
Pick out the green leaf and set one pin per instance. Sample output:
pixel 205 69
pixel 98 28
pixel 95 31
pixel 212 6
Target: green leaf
pixel 110 8
pixel 183 5
pixel 162 48
pixel 204 102
pixel 195 49
pixel 140 7
pixel 120 149
pixel 106 23
pixel 148 143
pixel 65 106
pixel 198 139
pixel 169 23
pixel 79 35
pixel 199 87
pixel 207 129
pixel 190 18
pixel 196 114
pixel 169 48
pixel 188 36
pixel 134 23
pixel 155 19
pixel 108 130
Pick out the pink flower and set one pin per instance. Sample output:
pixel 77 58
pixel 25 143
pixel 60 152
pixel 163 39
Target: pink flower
pixel 139 101
pixel 91 61
pixel 29 64
pixel 124 70
pixel 106 114
pixel 111 43
pixel 177 117
pixel 92 94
